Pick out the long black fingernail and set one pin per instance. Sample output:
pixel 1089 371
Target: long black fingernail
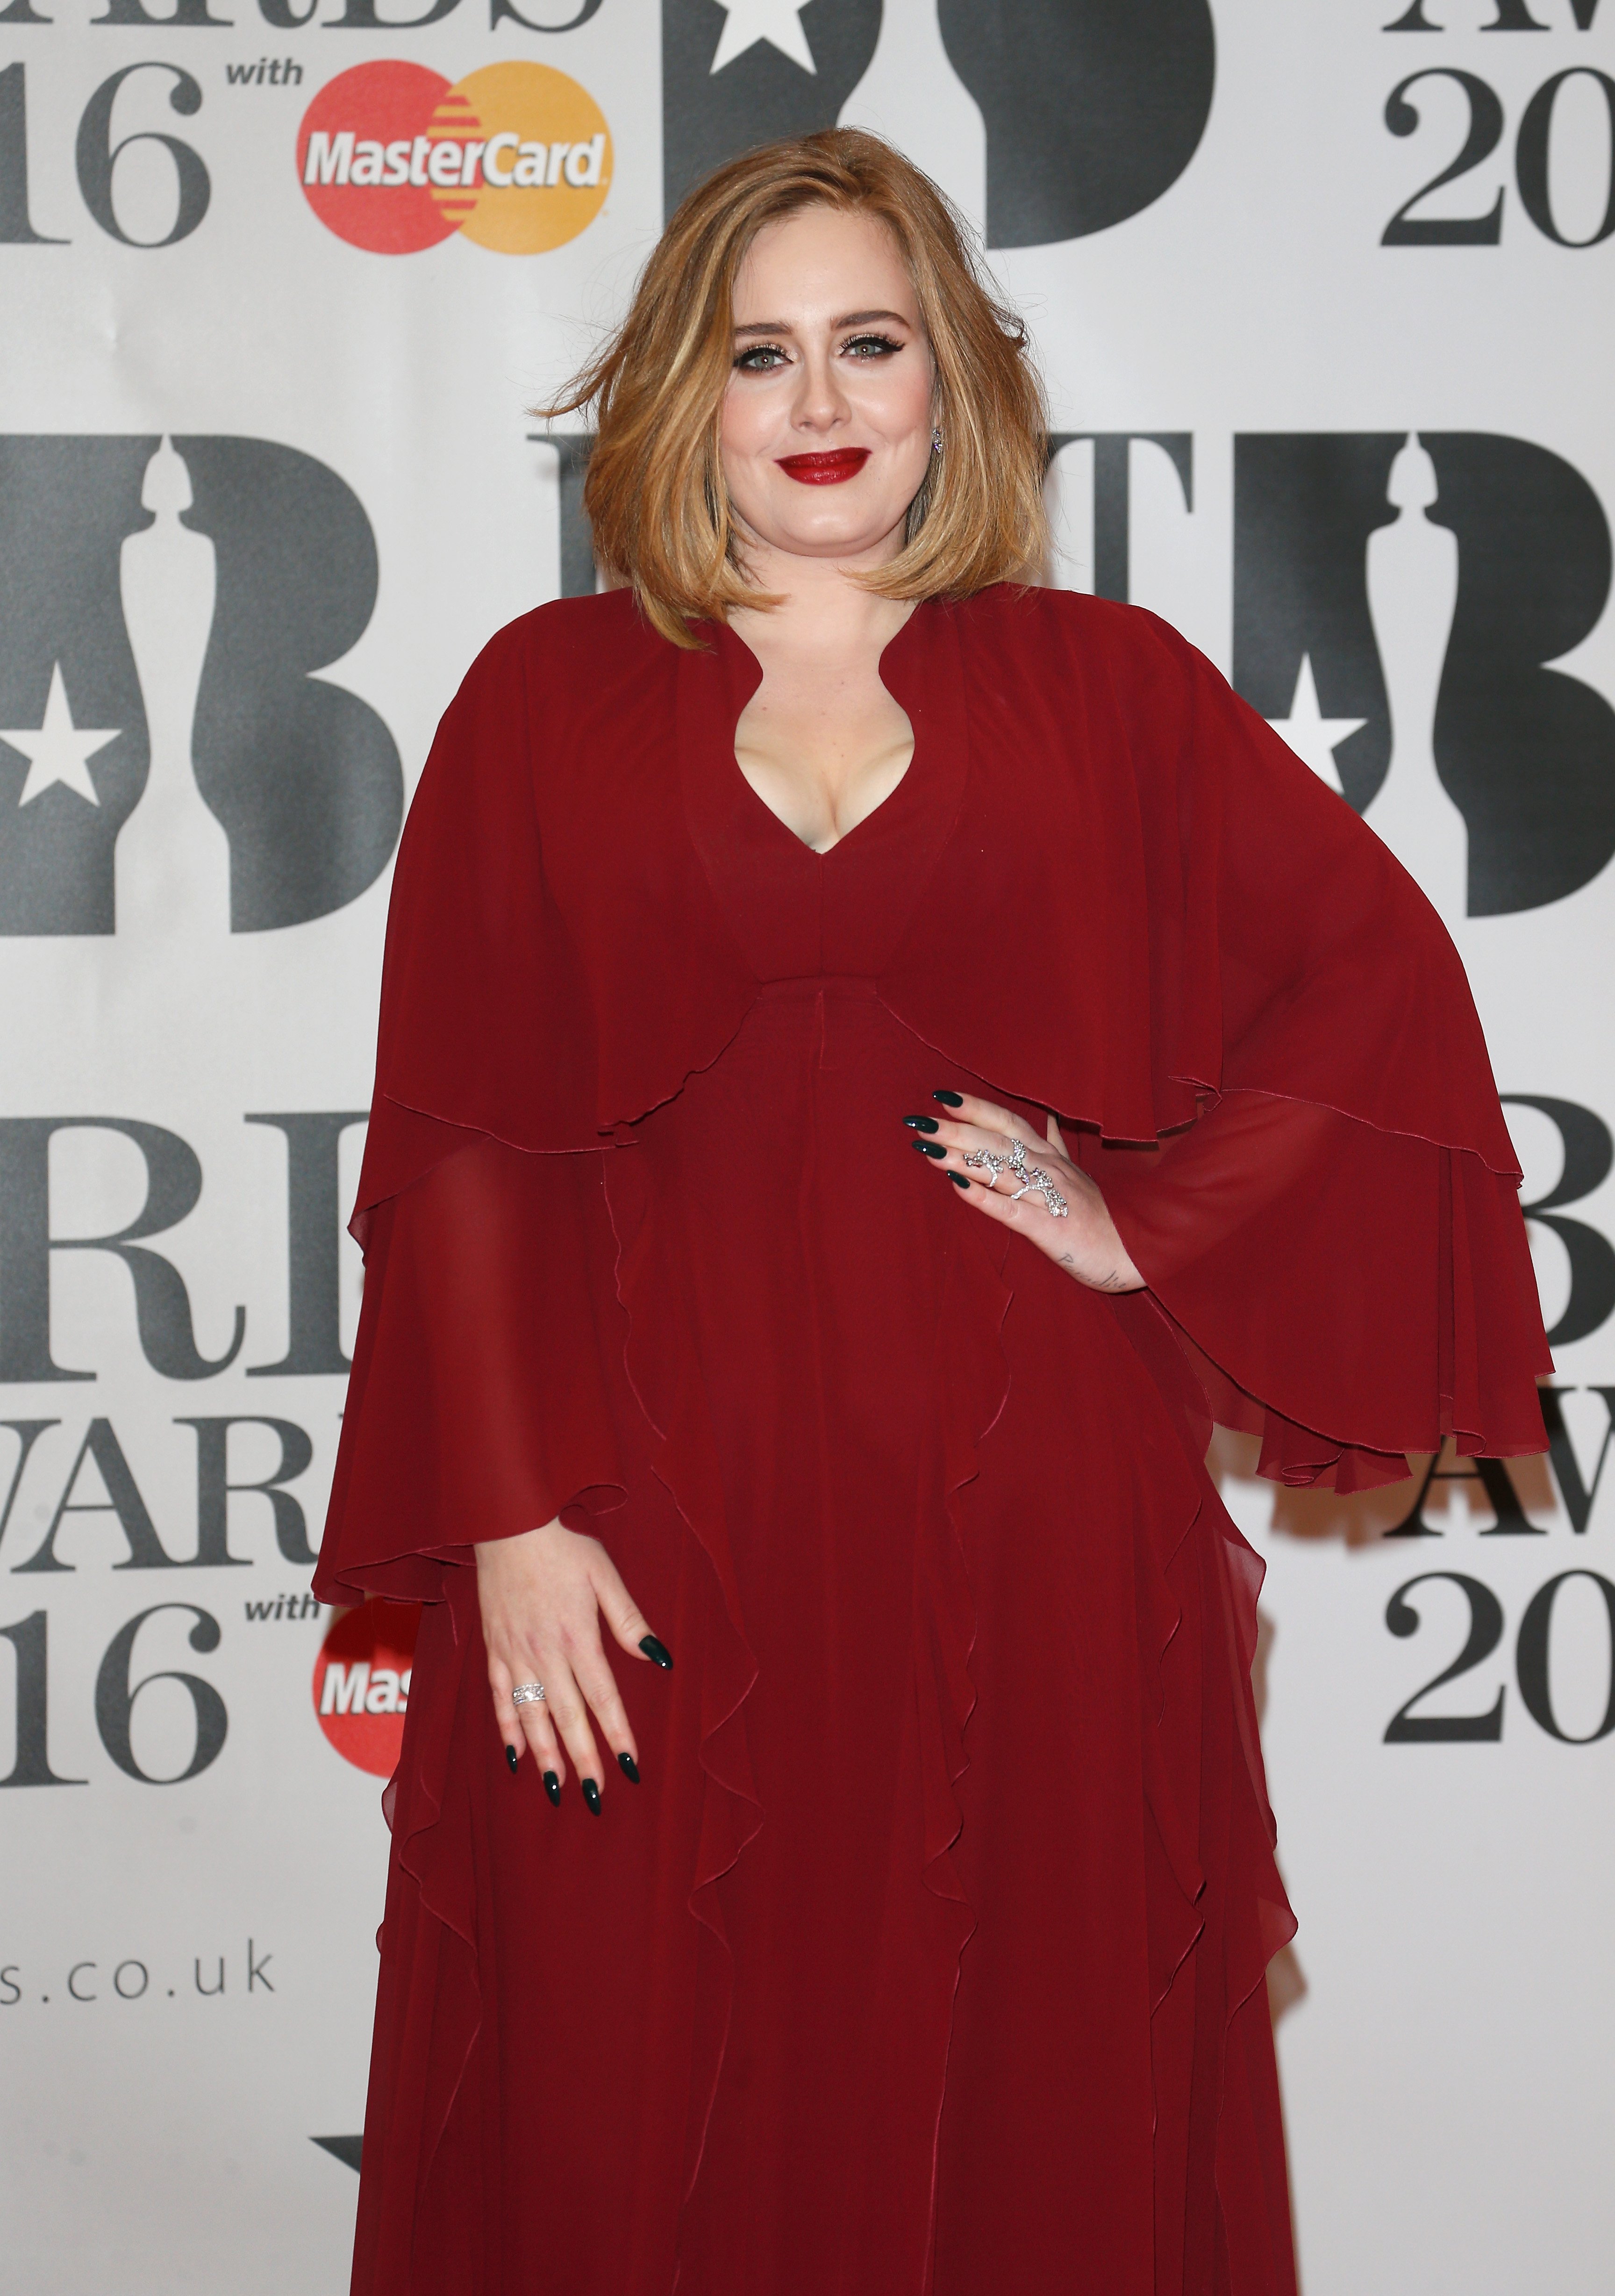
pixel 958 1179
pixel 927 1148
pixel 591 1794
pixel 629 1768
pixel 552 1787
pixel 512 1758
pixel 921 1123
pixel 657 1652
pixel 949 1099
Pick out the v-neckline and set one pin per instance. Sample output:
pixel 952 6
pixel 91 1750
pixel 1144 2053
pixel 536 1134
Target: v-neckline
pixel 793 910
pixel 746 677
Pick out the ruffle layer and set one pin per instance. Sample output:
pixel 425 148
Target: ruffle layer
pixel 1431 1325
pixel 1206 915
pixel 973 1373
pixel 1182 1523
pixel 1219 1912
pixel 429 2007
pixel 664 1376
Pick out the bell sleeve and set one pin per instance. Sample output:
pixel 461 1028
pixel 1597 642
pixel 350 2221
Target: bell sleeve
pixel 478 1404
pixel 477 1407
pixel 1337 1238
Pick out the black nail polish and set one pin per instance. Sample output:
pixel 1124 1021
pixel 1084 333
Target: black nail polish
pixel 657 1652
pixel 512 1757
pixel 927 1148
pixel 629 1768
pixel 949 1099
pixel 552 1787
pixel 591 1794
pixel 921 1123
pixel 958 1179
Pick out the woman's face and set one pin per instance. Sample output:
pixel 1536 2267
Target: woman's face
pixel 827 417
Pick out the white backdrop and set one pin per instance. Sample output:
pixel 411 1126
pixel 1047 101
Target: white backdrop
pixel 221 661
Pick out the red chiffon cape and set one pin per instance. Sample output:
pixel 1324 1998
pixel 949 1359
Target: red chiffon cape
pixel 926 1958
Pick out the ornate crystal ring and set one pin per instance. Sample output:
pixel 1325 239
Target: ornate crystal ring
pixel 526 1693
pixel 982 1160
pixel 1031 1175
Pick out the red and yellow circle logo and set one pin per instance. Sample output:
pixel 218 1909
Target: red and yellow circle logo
pixel 392 158
pixel 361 1683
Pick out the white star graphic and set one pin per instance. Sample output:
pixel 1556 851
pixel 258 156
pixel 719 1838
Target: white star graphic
pixel 1314 738
pixel 58 751
pixel 777 21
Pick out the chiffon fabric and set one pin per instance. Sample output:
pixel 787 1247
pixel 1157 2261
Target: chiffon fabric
pixel 927 1959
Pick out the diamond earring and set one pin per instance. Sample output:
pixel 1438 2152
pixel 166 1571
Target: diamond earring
pixel 936 440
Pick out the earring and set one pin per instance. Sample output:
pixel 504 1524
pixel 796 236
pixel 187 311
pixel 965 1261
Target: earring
pixel 936 440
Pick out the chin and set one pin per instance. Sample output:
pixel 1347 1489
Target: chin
pixel 820 542
pixel 832 529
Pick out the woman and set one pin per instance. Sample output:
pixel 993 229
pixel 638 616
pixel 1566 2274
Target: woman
pixel 907 1933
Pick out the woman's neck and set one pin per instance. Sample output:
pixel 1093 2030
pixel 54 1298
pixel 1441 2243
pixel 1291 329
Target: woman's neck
pixel 823 611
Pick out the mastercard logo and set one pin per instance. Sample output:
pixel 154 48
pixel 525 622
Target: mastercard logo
pixel 394 158
pixel 361 1683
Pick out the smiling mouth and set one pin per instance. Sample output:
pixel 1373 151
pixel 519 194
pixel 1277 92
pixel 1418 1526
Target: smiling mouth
pixel 824 470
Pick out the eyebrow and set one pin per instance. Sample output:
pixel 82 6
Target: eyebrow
pixel 850 319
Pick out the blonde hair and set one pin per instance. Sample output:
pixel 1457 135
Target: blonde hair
pixel 655 493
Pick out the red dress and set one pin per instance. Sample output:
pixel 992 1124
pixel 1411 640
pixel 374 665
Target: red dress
pixel 927 1960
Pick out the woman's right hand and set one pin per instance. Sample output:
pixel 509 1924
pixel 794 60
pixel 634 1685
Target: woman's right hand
pixel 543 1593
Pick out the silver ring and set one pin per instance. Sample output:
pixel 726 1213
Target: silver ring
pixel 1032 1175
pixel 526 1693
pixel 982 1160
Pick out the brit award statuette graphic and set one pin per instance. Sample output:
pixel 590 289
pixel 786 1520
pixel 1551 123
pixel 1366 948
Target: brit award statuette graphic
pixel 170 753
pixel 394 158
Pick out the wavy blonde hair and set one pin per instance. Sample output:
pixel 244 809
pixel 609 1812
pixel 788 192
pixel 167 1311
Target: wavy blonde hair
pixel 655 493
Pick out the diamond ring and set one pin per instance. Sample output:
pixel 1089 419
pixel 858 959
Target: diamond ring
pixel 982 1160
pixel 526 1693
pixel 1031 1175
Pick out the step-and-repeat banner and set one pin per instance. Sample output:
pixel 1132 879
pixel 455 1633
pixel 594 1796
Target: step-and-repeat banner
pixel 1327 301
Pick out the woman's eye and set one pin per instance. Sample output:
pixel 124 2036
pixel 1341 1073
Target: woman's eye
pixel 759 358
pixel 871 347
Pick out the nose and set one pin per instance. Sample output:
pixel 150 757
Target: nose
pixel 820 404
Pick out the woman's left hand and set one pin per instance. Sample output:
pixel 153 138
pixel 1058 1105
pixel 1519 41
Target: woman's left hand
pixel 981 1146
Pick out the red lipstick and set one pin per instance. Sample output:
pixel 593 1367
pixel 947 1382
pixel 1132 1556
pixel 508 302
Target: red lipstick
pixel 828 470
